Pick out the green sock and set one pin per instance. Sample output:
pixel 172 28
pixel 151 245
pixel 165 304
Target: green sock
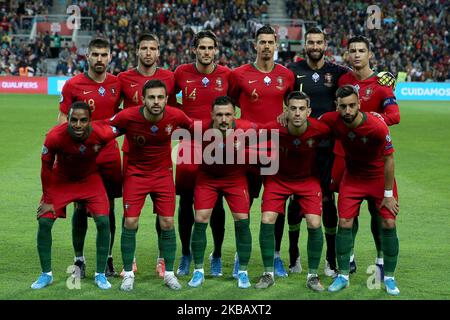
pixel 343 248
pixel 267 245
pixel 79 228
pixel 168 247
pixel 355 228
pixel 243 242
pixel 128 247
pixel 103 240
pixel 375 227
pixel 44 243
pixel 315 245
pixel 198 243
pixel 390 250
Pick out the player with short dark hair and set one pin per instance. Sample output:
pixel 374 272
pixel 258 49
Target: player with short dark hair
pixel 374 97
pixel 298 175
pixel 369 175
pixel 69 173
pixel 259 89
pixel 228 179
pixel 148 129
pixel 200 83
pixel 319 79
pixel 132 81
pixel 101 91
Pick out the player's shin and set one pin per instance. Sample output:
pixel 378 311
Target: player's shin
pixel 217 223
pixel 314 247
pixel 79 228
pixel 243 242
pixel 198 243
pixel 294 222
pixel 279 230
pixel 343 248
pixel 375 227
pixel 168 247
pixel 44 243
pixel 103 241
pixel 185 222
pixel 128 247
pixel 267 245
pixel 390 250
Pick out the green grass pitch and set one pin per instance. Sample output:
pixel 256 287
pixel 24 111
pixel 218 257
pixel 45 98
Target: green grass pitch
pixel 422 172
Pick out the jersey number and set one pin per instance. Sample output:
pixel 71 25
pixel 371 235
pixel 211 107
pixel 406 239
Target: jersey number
pixel 192 95
pixel 91 104
pixel 136 97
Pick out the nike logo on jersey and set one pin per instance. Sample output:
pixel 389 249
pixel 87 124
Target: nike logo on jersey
pixel 86 92
pixel 252 81
pixel 189 81
pixel 299 76
pixel 133 85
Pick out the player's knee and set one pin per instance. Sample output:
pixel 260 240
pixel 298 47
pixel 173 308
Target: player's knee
pixel 101 221
pixel 313 221
pixel 131 223
pixel 345 223
pixel 388 223
pixel 269 217
pixel 166 223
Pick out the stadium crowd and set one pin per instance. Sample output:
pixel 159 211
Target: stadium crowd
pixel 400 45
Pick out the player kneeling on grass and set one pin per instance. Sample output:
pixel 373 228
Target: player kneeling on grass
pixel 369 175
pixel 74 177
pixel 297 175
pixel 226 178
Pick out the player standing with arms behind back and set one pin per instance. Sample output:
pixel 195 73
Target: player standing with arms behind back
pixel 259 89
pixel 101 91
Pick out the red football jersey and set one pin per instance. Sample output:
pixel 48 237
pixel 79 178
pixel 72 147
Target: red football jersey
pixel 374 97
pixel 297 154
pixel 75 160
pixel 364 146
pixel 132 82
pixel 103 98
pixel 149 142
pixel 260 95
pixel 199 90
pixel 239 148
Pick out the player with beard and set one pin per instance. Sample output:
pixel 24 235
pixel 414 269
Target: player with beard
pixel 148 129
pixel 101 91
pixel 132 82
pixel 259 89
pixel 373 98
pixel 200 83
pixel 319 79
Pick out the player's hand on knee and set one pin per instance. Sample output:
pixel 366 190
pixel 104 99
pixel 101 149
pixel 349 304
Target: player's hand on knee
pixel 391 204
pixel 44 208
pixel 387 79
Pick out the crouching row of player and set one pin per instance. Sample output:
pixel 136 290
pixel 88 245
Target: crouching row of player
pixel 74 177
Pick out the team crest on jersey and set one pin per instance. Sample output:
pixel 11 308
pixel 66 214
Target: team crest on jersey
pixel 219 84
pixel 267 80
pixel 351 135
pixel 388 138
pixel 205 81
pixel 101 91
pixel 82 148
pixel 315 77
pixel 113 91
pixel 369 91
pixel 154 129
pixel 364 139
pixel 44 150
pixel 169 129
pixel 96 148
pixel 357 87
pixel 310 142
pixel 296 142
pixel 328 80
pixel 280 83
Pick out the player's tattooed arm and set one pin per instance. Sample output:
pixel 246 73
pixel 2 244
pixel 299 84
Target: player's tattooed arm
pixel 387 79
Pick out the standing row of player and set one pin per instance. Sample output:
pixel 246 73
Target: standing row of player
pixel 259 90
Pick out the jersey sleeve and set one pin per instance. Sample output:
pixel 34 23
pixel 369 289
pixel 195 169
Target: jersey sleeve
pixel 328 118
pixel 119 121
pixel 391 111
pixel 184 121
pixel 384 135
pixel 48 155
pixel 106 131
pixel 233 89
pixel 66 98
